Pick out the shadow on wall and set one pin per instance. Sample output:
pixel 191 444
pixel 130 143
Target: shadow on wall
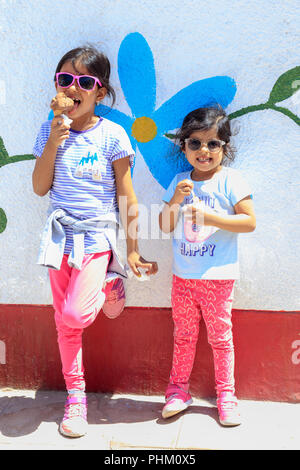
pixel 149 128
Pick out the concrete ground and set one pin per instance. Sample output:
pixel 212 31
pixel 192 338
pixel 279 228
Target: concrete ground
pixel 30 419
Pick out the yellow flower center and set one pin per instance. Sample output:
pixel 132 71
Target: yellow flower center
pixel 144 129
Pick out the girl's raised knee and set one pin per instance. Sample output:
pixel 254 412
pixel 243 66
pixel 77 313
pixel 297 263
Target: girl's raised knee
pixel 72 317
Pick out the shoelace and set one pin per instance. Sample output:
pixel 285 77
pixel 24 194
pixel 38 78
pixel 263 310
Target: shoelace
pixel 228 405
pixel 75 410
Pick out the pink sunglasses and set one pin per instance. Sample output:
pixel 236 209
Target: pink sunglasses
pixel 85 82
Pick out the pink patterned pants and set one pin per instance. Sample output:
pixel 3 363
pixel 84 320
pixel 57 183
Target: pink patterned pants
pixel 212 300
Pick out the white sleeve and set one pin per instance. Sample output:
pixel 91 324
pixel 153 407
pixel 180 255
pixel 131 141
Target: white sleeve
pixel 239 187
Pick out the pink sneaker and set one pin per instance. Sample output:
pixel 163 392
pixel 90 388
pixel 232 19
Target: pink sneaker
pixel 115 298
pixel 177 400
pixel 228 409
pixel 74 423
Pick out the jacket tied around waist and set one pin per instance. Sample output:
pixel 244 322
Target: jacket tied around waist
pixel 54 238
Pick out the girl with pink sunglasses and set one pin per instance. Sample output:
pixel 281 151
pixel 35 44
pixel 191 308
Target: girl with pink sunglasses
pixel 85 164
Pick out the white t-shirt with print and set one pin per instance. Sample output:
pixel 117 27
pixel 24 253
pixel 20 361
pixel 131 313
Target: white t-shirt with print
pixel 217 256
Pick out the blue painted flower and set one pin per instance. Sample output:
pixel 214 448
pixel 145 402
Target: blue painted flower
pixel 147 126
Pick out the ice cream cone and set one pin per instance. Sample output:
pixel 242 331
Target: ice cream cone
pixel 57 112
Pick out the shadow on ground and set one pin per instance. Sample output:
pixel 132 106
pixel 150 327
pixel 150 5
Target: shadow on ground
pixel 22 415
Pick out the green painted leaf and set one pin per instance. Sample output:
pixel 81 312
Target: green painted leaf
pixel 5 158
pixel 3 153
pixel 170 136
pixel 3 220
pixel 286 85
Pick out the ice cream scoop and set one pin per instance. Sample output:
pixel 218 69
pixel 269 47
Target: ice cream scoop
pixel 61 104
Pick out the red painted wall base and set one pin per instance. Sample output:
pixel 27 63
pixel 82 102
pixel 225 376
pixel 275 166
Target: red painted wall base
pixel 133 353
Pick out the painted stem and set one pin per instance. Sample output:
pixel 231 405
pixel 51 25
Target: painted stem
pixel 254 108
pixel 249 109
pixel 260 107
pixel 15 158
pixel 286 112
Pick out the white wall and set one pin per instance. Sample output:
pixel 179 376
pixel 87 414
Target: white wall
pixel 252 42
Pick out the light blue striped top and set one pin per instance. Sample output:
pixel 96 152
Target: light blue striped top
pixel 84 181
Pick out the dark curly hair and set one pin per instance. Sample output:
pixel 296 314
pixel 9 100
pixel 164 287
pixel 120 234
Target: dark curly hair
pixel 203 119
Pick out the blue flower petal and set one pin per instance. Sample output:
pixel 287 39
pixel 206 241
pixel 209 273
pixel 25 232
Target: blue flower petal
pixel 113 115
pixel 119 118
pixel 205 92
pixel 137 74
pixel 163 159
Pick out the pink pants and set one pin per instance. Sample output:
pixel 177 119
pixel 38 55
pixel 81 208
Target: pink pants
pixel 192 298
pixel 77 300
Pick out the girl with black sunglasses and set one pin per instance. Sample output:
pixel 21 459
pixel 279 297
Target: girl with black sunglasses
pixel 86 165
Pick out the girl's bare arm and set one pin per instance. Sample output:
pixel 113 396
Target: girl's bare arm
pixel 42 176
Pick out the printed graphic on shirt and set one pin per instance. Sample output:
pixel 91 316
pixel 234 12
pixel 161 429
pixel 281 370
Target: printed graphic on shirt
pixel 200 249
pixel 199 233
pixel 208 200
pixel 89 166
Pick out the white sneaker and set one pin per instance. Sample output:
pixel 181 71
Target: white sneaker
pixel 74 423
pixel 177 400
pixel 228 409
